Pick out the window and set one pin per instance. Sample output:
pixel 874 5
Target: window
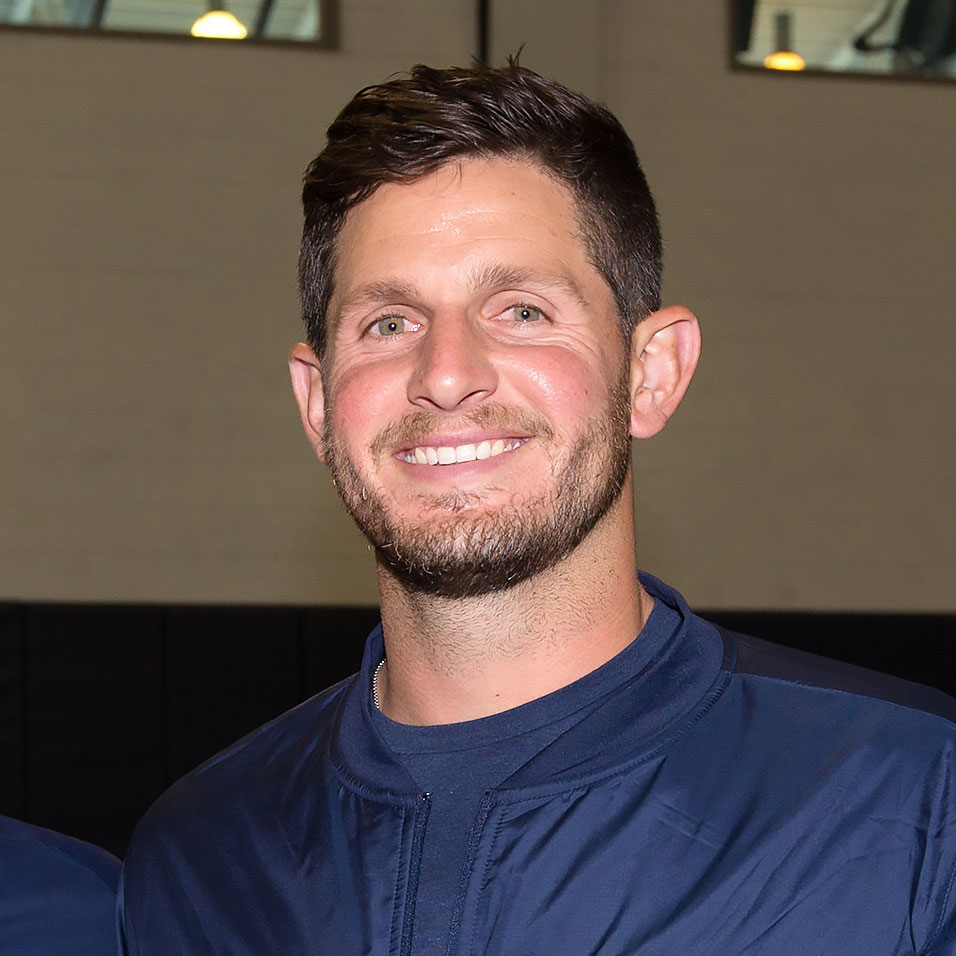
pixel 915 38
pixel 307 21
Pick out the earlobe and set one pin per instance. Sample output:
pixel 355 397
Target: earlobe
pixel 665 348
pixel 306 373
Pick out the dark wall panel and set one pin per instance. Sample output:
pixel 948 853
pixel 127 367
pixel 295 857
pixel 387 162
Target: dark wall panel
pixel 229 670
pixel 95 719
pixel 920 648
pixel 334 639
pixel 12 728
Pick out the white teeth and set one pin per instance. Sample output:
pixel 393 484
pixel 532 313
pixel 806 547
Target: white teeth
pixel 447 455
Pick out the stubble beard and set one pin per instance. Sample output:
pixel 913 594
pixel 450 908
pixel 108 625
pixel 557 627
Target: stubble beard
pixel 464 551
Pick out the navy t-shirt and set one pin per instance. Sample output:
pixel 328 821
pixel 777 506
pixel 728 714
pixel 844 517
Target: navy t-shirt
pixel 57 894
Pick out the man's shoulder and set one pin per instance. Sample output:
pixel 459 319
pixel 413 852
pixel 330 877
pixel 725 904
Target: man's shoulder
pixel 236 817
pixel 58 892
pixel 770 663
pixel 50 851
pixel 249 774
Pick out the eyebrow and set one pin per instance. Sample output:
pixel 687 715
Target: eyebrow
pixel 492 277
pixel 512 277
pixel 388 290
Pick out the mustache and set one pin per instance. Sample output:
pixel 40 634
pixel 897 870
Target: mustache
pixel 412 428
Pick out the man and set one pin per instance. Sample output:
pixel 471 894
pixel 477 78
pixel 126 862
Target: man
pixel 57 894
pixel 543 753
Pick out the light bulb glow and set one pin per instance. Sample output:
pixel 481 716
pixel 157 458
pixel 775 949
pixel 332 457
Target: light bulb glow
pixel 219 23
pixel 784 60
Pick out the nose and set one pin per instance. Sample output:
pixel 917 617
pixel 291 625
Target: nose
pixel 453 365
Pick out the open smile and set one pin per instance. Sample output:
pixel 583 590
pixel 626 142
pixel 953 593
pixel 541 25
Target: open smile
pixel 456 454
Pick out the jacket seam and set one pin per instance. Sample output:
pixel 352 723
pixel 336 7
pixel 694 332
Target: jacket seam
pixel 849 693
pixel 397 909
pixel 483 882
pixel 472 846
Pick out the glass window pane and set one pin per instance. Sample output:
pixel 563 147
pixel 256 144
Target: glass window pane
pixel 297 20
pixel 915 38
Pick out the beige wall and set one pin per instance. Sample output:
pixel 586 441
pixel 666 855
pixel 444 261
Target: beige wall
pixel 811 221
pixel 149 449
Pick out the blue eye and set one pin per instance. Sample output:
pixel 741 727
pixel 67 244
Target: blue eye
pixel 391 325
pixel 526 313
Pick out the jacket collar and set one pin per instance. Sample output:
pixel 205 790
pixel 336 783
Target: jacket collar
pixel 676 662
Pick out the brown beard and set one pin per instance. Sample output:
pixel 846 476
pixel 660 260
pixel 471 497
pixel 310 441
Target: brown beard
pixel 464 554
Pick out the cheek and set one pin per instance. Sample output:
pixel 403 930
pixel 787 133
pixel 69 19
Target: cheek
pixel 360 403
pixel 561 384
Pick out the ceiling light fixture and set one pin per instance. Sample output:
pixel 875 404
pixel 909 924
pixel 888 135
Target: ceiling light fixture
pixel 783 58
pixel 220 23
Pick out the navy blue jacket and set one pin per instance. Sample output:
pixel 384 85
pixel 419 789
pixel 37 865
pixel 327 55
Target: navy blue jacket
pixel 733 798
pixel 57 895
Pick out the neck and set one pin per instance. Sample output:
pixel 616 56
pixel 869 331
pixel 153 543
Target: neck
pixel 450 660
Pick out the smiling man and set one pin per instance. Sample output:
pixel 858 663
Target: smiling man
pixel 474 404
pixel 544 754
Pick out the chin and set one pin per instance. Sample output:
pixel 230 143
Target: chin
pixel 455 543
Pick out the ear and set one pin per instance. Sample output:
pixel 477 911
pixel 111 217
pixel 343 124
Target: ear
pixel 306 373
pixel 665 348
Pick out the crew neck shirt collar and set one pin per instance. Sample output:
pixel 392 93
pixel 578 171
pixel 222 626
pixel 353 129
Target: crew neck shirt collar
pixel 564 703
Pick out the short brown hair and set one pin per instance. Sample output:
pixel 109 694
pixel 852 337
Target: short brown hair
pixel 404 129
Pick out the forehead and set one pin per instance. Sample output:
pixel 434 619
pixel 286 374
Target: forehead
pixel 460 219
pixel 492 183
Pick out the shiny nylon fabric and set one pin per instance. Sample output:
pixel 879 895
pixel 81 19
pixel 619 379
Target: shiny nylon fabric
pixel 734 798
pixel 57 894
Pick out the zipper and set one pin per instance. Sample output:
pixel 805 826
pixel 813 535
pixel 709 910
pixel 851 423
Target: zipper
pixel 414 872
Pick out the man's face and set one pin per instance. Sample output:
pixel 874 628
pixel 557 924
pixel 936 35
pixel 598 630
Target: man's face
pixel 476 384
